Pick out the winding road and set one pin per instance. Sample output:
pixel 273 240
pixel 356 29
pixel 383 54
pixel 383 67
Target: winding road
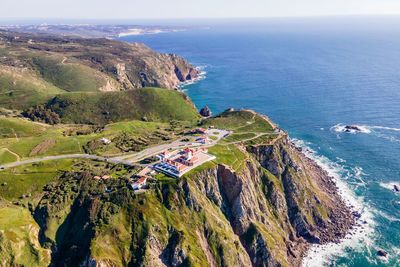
pixel 132 159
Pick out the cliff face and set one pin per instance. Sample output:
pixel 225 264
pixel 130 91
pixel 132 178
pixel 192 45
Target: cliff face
pixel 265 213
pixel 278 204
pixel 84 64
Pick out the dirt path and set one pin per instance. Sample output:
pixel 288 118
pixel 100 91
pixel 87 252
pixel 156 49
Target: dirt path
pixel 69 156
pixel 13 153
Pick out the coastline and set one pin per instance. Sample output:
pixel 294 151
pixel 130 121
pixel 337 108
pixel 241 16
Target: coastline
pixel 320 254
pixel 354 229
pixel 350 211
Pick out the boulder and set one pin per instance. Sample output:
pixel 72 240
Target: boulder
pixel 381 253
pixel 396 188
pixel 349 128
pixel 205 112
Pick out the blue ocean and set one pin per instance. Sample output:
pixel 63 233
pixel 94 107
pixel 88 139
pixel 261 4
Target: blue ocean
pixel 313 77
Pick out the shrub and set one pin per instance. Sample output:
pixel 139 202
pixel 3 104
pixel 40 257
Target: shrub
pixel 42 114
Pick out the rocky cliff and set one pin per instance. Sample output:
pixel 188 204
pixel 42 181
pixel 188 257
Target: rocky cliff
pixel 265 212
pixel 107 65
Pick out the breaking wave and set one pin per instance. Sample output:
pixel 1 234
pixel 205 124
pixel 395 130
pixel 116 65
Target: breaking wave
pixel 387 133
pixel 390 185
pixel 201 76
pixel 358 237
pixel 341 128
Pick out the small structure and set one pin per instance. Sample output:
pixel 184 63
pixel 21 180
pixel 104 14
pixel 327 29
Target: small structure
pixel 203 139
pixel 200 131
pixel 105 141
pixel 179 162
pixel 139 183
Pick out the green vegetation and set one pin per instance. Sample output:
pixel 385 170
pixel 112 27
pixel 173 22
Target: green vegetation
pixel 237 137
pixel 106 107
pixel 27 139
pixel 22 89
pixel 263 139
pixel 42 114
pixel 16 127
pixel 25 181
pixel 229 155
pixel 19 244
pixel 7 156
pixel 241 121
pixel 68 76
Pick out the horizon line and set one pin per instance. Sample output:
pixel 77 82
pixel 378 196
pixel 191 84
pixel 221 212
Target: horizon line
pixel 201 18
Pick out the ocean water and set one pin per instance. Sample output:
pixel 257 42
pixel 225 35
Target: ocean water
pixel 312 77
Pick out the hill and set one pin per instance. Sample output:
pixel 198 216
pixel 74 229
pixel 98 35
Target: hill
pixel 151 104
pixel 257 204
pixel 35 67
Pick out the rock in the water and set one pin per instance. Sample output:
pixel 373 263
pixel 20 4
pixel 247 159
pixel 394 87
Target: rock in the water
pixel 381 253
pixel 205 112
pixel 349 128
pixel 396 188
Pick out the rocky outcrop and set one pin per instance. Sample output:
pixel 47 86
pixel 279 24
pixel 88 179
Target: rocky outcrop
pixel 205 112
pixel 278 204
pixel 114 65
pixel 265 213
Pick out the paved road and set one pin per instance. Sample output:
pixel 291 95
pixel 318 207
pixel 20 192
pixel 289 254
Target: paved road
pixel 152 151
pixel 131 159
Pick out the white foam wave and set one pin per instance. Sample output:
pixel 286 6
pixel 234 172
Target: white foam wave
pixel 201 76
pixel 385 128
pixel 379 131
pixel 357 238
pixel 390 185
pixel 341 128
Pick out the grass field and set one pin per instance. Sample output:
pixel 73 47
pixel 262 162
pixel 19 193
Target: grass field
pixel 16 127
pixel 240 122
pixel 263 139
pixel 21 137
pixel 229 155
pixel 30 179
pixel 67 76
pixel 20 90
pixel 236 137
pixel 7 156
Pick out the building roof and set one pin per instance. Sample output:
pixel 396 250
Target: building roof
pixel 142 180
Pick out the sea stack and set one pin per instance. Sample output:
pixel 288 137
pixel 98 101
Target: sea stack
pixel 205 112
pixel 396 188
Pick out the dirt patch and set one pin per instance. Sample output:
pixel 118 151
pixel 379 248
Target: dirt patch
pixel 42 147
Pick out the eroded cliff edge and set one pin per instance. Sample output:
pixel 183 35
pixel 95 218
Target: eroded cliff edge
pixel 261 203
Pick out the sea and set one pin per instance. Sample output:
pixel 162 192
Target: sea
pixel 313 76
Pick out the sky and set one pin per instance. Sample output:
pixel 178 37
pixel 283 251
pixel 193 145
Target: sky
pixel 165 9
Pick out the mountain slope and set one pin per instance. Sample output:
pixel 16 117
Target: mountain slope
pixel 260 203
pixel 34 67
pixel 154 104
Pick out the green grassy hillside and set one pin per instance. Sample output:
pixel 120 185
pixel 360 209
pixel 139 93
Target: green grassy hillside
pixel 105 107
pixel 22 89
pixel 68 76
